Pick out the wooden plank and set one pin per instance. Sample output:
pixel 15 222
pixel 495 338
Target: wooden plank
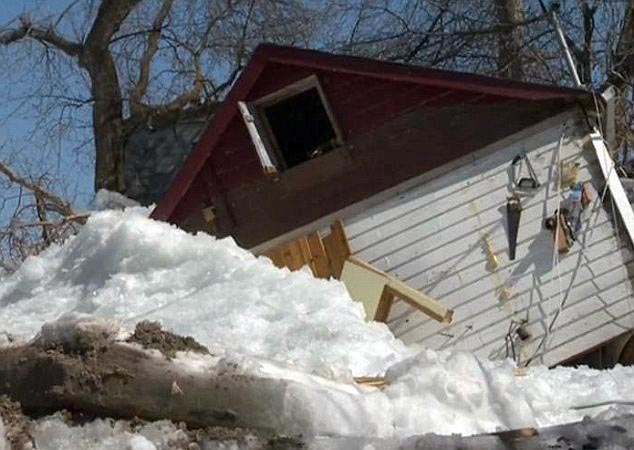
pixel 277 256
pixel 320 262
pixel 304 253
pixel 427 305
pixel 293 254
pixel 365 281
pixel 378 382
pixel 385 304
pixel 293 258
pixel 337 247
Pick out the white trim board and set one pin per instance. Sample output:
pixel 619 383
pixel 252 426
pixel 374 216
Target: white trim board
pixel 623 205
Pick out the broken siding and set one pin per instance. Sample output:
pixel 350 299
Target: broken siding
pixel 432 236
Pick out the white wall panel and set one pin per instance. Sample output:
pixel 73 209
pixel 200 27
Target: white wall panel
pixel 431 236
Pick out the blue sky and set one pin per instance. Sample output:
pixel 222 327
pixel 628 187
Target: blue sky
pixel 23 142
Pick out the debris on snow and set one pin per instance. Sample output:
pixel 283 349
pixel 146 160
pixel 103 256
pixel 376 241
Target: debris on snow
pixel 151 335
pixel 14 426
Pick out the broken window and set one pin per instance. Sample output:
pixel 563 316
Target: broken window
pixel 292 125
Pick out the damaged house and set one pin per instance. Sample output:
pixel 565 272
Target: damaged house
pixel 464 211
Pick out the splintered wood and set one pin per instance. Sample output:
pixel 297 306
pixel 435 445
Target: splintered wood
pixel 331 256
pixel 325 256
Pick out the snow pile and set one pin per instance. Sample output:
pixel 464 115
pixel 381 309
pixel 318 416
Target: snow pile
pixel 279 325
pixel 127 267
pixel 447 393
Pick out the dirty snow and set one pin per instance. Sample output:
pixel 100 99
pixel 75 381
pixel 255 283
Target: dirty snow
pixel 53 433
pixel 4 445
pixel 124 267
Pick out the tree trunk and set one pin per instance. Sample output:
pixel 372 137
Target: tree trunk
pixel 623 59
pixel 97 59
pixel 125 382
pixel 102 378
pixel 510 43
pixel 585 55
pixel 107 116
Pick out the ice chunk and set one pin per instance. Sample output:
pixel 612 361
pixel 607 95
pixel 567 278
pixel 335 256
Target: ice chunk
pixel 53 433
pixel 140 443
pixel 105 199
pixel 76 330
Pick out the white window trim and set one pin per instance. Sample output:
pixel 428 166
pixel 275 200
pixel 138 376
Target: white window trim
pixel 263 154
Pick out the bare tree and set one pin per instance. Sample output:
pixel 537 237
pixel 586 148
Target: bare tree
pixel 102 68
pixel 35 216
pixel 132 62
pixel 508 38
pixel 143 59
pixel 510 41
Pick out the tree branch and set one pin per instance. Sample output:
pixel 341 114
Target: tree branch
pixel 623 67
pixel 181 101
pixel 146 60
pixel 109 18
pixel 58 204
pixel 46 36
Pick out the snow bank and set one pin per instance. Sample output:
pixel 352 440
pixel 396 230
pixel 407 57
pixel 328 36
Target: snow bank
pixel 127 267
pixel 447 393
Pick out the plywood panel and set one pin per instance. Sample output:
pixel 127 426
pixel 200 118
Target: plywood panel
pixel 432 236
pixel 364 286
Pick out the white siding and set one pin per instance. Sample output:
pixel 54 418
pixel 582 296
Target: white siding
pixel 431 236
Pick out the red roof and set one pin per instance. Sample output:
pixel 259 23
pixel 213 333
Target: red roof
pixel 265 54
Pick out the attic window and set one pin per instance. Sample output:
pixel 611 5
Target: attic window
pixel 292 125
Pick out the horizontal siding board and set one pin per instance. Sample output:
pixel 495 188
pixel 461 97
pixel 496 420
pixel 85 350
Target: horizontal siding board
pixel 432 236
pixel 435 195
pixel 587 281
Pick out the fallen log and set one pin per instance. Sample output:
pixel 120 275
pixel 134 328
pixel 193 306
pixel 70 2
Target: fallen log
pixel 105 378
pixel 64 430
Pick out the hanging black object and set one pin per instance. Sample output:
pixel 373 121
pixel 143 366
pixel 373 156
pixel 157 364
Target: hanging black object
pixel 531 180
pixel 513 213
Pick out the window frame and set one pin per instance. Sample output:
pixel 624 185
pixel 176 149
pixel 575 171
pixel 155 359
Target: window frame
pixel 261 132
